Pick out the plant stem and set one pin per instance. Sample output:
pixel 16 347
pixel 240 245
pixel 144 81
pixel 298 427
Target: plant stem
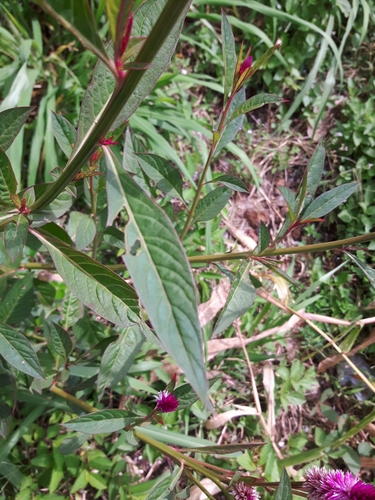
pixel 85 406
pixel 204 173
pixel 121 95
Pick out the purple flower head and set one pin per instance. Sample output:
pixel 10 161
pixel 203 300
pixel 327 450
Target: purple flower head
pixel 336 485
pixel 246 64
pixel 243 491
pixel 166 402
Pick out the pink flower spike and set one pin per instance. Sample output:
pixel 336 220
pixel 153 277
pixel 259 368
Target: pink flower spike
pixel 166 402
pixel 336 485
pixel 243 491
pixel 108 142
pixel 126 37
pixel 246 64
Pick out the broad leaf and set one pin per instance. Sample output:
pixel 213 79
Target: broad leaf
pixel 168 179
pixel 78 18
pixel 229 54
pixel 328 201
pixel 11 121
pixel 212 204
pixel 102 421
pixel 5 419
pixel 234 126
pixel 232 182
pixel 264 238
pixel 15 234
pixel 284 491
pixel 86 232
pixel 115 199
pixel 290 199
pixel 58 339
pixel 368 271
pixel 70 445
pixel 119 357
pixel 16 304
pixel 254 102
pixel 8 183
pixel 186 395
pixel 95 285
pixel 64 132
pixel 162 277
pixel 241 298
pixel 18 352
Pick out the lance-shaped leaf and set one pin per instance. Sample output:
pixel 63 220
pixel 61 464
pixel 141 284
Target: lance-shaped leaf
pixel 15 234
pixel 58 339
pixel 229 54
pixel 253 103
pixel 99 288
pixel 102 421
pixel 212 204
pixel 18 352
pixel 78 18
pixel 328 201
pixel 290 199
pixel 8 183
pixel 17 303
pixel 11 121
pixel 314 172
pixel 284 491
pixel 264 238
pixel 234 126
pixel 162 277
pixel 119 357
pixel 65 133
pixel 368 271
pixel 71 444
pixel 241 298
pixel 86 232
pixel 168 179
pixel 231 182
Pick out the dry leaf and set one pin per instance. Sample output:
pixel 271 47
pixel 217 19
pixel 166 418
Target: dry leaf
pixel 223 418
pixel 245 240
pixel 197 494
pixel 269 387
pixel 208 310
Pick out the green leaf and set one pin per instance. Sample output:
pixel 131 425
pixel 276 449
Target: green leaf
pixel 64 132
pixel 315 172
pixel 18 352
pixel 86 232
pixel 70 445
pixel 8 183
pixel 78 18
pixel 290 199
pixel 5 419
pixel 284 491
pixel 186 395
pixel 16 304
pixel 212 204
pixel 102 421
pixel 229 54
pixel 11 121
pixel 264 238
pixel 241 298
pixel 254 102
pixel 234 126
pixel 59 339
pixel 115 200
pixel 368 271
pixel 95 285
pixel 168 179
pixel 161 275
pixel 328 201
pixel 15 234
pixel 232 182
pixel 145 18
pixel 119 357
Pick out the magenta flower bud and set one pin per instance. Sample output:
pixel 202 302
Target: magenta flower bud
pixel 243 491
pixel 107 142
pixel 166 402
pixel 336 485
pixel 246 64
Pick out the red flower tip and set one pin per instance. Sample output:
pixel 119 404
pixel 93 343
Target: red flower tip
pixel 108 142
pixel 246 64
pixel 336 485
pixel 243 491
pixel 166 402
pixel 126 37
pixel 23 208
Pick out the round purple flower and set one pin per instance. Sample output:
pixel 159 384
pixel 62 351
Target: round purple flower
pixel 243 491
pixel 166 402
pixel 336 485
